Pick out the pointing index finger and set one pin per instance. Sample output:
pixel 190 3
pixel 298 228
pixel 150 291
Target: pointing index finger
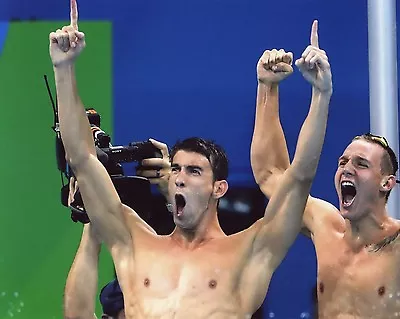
pixel 314 34
pixel 74 14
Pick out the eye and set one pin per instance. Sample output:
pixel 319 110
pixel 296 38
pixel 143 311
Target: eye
pixel 174 169
pixel 195 171
pixel 342 163
pixel 361 163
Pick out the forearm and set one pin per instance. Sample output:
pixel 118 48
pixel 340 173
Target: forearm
pixel 81 285
pixel 283 217
pixel 101 199
pixel 74 125
pixel 311 137
pixel 269 155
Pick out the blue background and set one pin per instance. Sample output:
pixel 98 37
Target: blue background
pixel 184 68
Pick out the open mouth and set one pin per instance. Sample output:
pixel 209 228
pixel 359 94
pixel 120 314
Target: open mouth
pixel 180 202
pixel 349 192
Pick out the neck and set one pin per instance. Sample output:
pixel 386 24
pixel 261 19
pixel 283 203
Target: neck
pixel 371 229
pixel 209 228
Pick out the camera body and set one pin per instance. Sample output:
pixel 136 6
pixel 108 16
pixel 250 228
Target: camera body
pixel 134 191
pixel 133 152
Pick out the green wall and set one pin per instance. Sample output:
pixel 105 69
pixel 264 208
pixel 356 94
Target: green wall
pixel 38 240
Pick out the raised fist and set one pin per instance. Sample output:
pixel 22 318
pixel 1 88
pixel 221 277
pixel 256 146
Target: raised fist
pixel 274 66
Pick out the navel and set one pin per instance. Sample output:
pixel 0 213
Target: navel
pixel 321 287
pixel 212 284
pixel 146 282
pixel 381 291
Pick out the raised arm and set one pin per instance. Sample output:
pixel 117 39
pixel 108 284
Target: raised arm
pixel 269 155
pixel 284 212
pixel 101 200
pixel 81 286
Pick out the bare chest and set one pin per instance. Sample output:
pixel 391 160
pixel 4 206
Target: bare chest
pixel 166 282
pixel 359 284
pixel 189 273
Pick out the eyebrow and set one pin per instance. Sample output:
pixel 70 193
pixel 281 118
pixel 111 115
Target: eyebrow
pixel 358 157
pixel 361 158
pixel 343 157
pixel 175 165
pixel 195 167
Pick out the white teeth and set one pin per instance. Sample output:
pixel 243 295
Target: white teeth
pixel 347 184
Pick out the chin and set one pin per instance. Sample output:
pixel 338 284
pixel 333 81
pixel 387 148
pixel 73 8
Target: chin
pixel 183 225
pixel 345 213
pixel 349 213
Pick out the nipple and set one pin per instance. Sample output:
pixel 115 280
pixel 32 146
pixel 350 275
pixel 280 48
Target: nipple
pixel 212 284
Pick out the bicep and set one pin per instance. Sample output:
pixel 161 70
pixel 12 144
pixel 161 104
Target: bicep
pixel 268 153
pixel 283 216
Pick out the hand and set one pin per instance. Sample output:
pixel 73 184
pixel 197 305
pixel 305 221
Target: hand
pixel 274 66
pixel 314 64
pixel 73 187
pixel 66 44
pixel 157 170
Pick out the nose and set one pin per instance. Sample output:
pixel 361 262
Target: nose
pixel 348 170
pixel 180 181
pixel 347 173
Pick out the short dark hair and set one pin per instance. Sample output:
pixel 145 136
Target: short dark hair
pixel 212 151
pixel 389 163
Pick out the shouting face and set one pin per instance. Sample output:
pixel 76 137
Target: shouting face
pixel 191 187
pixel 359 178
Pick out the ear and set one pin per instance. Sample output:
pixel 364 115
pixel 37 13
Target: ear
pixel 388 183
pixel 220 188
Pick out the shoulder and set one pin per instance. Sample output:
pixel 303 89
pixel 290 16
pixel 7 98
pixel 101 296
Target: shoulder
pixel 395 238
pixel 134 222
pixel 320 214
pixel 324 211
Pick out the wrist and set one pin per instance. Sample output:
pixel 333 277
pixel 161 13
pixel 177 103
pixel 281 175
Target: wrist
pixel 64 74
pixel 268 85
pixel 267 91
pixel 64 67
pixel 327 93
